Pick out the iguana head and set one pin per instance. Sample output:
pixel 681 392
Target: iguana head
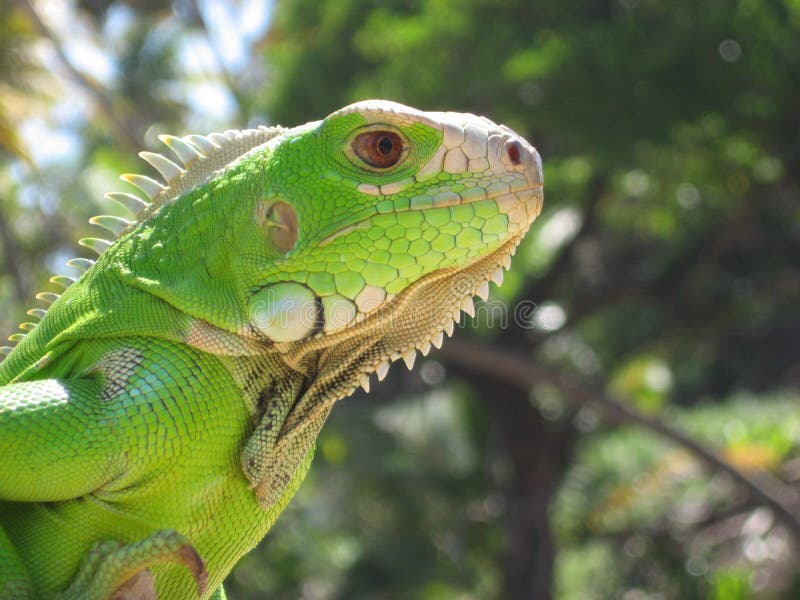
pixel 354 240
pixel 385 221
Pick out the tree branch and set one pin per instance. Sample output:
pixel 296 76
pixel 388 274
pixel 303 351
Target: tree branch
pixel 480 357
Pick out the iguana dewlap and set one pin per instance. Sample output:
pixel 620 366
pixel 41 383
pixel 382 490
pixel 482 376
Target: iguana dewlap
pixel 161 413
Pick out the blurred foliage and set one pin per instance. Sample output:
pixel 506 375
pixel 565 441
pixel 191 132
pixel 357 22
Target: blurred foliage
pixel 663 269
pixel 631 489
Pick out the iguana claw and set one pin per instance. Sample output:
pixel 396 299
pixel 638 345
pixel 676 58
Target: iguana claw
pixel 115 571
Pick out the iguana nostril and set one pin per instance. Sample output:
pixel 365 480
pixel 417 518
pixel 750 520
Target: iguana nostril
pixel 514 149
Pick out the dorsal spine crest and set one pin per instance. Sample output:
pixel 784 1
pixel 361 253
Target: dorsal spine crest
pixel 200 158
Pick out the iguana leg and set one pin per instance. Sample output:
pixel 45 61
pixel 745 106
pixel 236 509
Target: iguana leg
pixel 15 583
pixel 119 572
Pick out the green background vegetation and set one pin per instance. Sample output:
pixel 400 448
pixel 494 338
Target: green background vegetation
pixel 663 270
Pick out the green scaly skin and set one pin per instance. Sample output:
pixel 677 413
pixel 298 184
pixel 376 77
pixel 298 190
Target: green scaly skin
pixel 164 410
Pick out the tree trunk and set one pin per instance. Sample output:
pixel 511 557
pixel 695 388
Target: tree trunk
pixel 538 452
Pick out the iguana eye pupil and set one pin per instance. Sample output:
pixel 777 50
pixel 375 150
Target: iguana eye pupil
pixel 380 149
pixel 385 145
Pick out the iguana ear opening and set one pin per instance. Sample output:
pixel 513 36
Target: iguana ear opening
pixel 280 220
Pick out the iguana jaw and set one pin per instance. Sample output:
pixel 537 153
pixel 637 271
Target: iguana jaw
pixel 420 315
pixel 413 321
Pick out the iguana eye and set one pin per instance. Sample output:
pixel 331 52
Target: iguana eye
pixel 379 149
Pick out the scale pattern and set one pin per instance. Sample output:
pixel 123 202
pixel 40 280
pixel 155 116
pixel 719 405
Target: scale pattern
pixel 159 415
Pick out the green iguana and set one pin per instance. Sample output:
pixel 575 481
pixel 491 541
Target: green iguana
pixel 164 408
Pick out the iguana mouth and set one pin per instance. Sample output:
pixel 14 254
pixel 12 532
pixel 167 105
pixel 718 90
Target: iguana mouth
pixel 442 200
pixel 400 328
